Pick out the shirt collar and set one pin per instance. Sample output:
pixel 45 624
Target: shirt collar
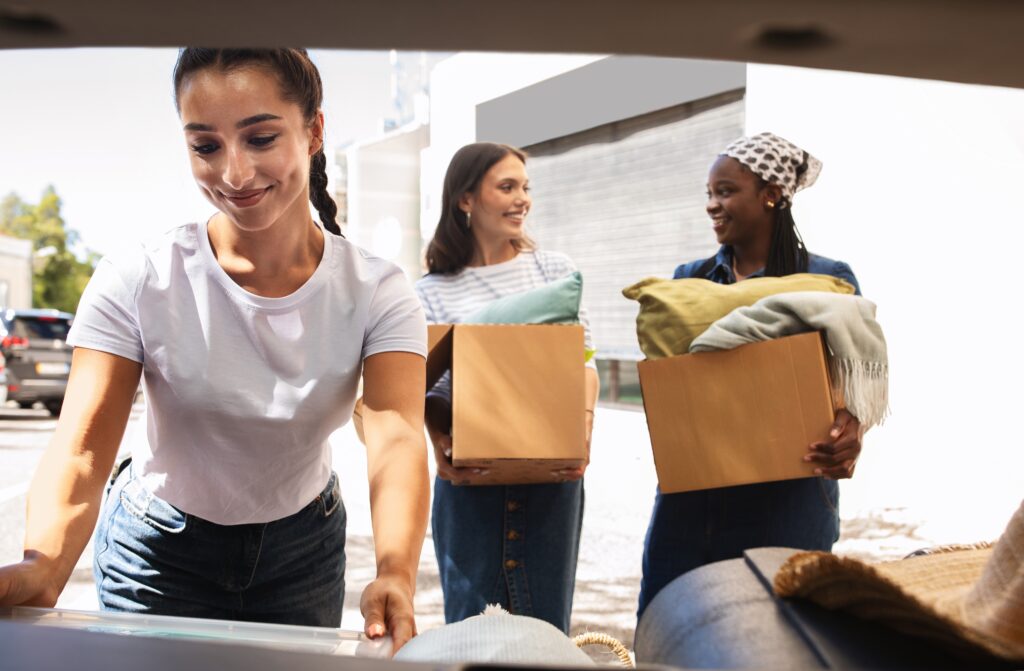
pixel 722 272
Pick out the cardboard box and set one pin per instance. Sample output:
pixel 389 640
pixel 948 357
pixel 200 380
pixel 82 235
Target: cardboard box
pixel 738 416
pixel 517 397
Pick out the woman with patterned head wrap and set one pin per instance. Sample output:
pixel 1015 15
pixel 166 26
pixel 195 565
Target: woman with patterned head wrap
pixel 750 195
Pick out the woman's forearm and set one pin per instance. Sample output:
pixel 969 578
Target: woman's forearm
pixel 399 502
pixel 396 460
pixel 63 504
pixel 592 387
pixel 66 491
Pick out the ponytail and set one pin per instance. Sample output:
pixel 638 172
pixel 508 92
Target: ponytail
pixel 319 195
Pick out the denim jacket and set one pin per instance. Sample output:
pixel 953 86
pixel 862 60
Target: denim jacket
pixel 721 271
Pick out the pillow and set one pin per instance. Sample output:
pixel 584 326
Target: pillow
pixel 495 639
pixel 556 302
pixel 674 312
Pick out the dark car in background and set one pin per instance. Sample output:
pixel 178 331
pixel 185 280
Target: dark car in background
pixel 34 342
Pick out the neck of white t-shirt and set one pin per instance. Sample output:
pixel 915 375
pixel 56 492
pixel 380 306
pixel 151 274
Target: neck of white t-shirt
pixel 272 262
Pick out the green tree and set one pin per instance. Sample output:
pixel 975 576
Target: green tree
pixel 58 276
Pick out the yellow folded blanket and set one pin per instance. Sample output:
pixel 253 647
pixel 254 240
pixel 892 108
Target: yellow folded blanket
pixel 674 312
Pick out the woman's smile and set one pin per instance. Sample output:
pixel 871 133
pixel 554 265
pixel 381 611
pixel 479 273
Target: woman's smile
pixel 246 198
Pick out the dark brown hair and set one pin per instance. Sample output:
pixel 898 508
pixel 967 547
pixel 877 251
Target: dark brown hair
pixel 451 248
pixel 300 84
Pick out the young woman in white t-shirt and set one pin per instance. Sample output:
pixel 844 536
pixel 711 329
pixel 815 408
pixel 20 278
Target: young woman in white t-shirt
pixel 250 332
pixel 512 545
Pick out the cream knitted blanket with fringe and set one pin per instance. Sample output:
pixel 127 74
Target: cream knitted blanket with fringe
pixel 858 363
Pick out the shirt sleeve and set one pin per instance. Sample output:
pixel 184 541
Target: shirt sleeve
pixel 396 322
pixel 107 318
pixel 443 387
pixel 843 271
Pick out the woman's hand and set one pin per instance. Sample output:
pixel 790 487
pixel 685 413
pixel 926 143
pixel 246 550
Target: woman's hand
pixel 386 606
pixel 438 416
pixel 445 469
pixel 30 582
pixel 836 458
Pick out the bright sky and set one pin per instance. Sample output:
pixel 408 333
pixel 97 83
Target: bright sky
pixel 100 125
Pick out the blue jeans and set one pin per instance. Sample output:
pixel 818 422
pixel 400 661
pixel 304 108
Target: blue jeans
pixel 690 529
pixel 153 558
pixel 515 546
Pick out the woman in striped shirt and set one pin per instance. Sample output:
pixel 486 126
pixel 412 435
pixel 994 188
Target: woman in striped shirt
pixel 512 545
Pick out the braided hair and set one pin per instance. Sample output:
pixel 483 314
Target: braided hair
pixel 300 84
pixel 786 254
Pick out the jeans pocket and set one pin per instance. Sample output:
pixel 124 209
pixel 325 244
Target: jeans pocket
pixel 330 498
pixel 152 510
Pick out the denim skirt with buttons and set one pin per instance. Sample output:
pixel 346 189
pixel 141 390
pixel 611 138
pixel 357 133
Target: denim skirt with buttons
pixel 151 557
pixel 515 546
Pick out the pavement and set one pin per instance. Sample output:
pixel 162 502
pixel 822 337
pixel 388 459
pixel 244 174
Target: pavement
pixel 620 486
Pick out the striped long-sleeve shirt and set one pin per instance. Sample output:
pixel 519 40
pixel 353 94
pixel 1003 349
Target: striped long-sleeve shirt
pixel 449 299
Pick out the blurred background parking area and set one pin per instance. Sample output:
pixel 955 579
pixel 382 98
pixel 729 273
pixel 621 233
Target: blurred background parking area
pixel 36 356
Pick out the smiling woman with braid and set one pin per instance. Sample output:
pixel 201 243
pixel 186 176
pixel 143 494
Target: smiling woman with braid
pixel 250 331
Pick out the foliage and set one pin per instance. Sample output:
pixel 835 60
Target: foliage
pixel 58 275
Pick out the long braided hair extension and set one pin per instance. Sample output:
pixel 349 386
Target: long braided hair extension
pixel 300 84
pixel 787 254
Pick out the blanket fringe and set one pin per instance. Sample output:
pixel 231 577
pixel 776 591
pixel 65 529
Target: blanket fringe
pixel 865 388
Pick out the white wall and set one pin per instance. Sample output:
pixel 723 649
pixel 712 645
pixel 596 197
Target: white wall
pixel 384 198
pixel 920 194
pixel 457 85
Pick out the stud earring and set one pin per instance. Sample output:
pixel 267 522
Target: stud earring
pixel 770 204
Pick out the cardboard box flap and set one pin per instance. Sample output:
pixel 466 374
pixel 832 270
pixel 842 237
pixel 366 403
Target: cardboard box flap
pixel 439 352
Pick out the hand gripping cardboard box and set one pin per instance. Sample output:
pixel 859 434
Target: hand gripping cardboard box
pixel 739 416
pixel 517 397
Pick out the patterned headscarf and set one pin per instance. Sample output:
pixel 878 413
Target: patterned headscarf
pixel 776 160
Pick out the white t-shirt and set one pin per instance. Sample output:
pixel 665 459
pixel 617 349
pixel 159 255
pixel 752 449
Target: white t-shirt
pixel 243 390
